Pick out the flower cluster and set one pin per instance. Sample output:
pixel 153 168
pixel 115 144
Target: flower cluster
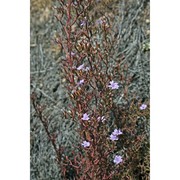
pixel 113 136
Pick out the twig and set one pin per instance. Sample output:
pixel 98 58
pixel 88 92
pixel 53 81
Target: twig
pixel 44 122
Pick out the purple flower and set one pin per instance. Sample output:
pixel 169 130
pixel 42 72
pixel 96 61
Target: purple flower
pixel 80 67
pixel 72 53
pixel 83 23
pixel 113 85
pixel 117 159
pixel 117 132
pixel 113 137
pixel 85 117
pixel 81 82
pixel 143 106
pixel 85 144
pixel 114 134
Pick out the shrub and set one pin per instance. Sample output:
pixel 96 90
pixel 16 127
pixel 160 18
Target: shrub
pixel 113 129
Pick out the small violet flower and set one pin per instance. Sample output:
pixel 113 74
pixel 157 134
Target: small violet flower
pixel 80 67
pixel 72 53
pixel 117 132
pixel 117 159
pixel 114 134
pixel 82 23
pixel 85 144
pixel 81 82
pixel 85 117
pixel 143 106
pixel 113 85
pixel 113 137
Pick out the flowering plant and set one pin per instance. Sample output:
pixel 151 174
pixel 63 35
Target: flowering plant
pixel 110 144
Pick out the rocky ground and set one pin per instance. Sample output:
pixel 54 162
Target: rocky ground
pixel 47 81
